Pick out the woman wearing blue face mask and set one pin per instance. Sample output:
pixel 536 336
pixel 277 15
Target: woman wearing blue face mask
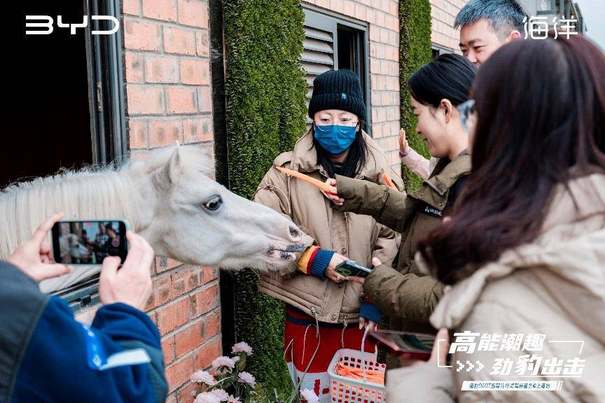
pixel 319 298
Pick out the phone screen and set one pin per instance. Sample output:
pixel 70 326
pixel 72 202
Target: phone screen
pixel 352 268
pixel 88 242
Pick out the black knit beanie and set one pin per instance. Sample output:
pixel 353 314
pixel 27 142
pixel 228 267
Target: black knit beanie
pixel 337 89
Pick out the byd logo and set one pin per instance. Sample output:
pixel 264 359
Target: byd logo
pixel 46 22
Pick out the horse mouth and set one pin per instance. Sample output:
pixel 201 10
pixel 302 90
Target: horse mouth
pixel 289 253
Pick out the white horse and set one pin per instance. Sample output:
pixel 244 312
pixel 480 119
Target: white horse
pixel 167 198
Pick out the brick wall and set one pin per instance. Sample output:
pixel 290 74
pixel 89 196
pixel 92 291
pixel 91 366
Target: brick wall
pixel 382 17
pixel 443 13
pixel 169 99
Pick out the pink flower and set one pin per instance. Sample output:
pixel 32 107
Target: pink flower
pixel 203 377
pixel 247 378
pixel 309 396
pixel 220 394
pixel 206 397
pixel 241 347
pixel 223 361
pixel 233 399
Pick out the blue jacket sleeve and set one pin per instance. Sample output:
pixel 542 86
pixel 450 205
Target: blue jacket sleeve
pixel 57 364
pixel 320 263
pixel 370 311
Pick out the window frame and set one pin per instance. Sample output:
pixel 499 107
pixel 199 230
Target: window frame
pixel 440 49
pixel 106 100
pixel 330 21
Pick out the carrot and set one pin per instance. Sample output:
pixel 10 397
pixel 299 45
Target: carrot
pixel 315 182
pixel 374 376
pixel 388 181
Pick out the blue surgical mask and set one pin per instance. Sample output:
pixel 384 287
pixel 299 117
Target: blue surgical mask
pixel 335 139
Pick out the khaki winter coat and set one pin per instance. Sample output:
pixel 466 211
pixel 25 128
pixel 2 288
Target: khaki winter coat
pixel 406 295
pixel 554 285
pixel 359 237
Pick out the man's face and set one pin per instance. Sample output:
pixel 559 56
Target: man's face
pixel 479 40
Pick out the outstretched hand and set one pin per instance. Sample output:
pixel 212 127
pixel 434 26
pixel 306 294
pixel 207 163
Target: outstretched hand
pixel 403 142
pixel 33 257
pixel 333 194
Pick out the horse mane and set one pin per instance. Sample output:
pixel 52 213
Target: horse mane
pixel 89 193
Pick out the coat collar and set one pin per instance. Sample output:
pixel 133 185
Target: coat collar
pixel 435 189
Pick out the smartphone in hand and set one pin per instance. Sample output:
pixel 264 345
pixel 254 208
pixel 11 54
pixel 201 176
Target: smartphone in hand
pixel 88 241
pixel 350 268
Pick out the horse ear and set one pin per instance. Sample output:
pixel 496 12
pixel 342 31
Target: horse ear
pixel 167 174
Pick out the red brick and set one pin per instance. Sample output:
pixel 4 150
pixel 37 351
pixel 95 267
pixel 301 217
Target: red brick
pixel 204 300
pixel 181 100
pixel 187 393
pixel 189 338
pixel 164 263
pixel 141 35
pixel 179 372
pixel 143 99
pixel 174 315
pixel 159 69
pixel 165 132
pixel 184 280
pixel 160 9
pixel 179 41
pixel 195 71
pixel 194 13
pixel 202 43
pixel 204 355
pixel 153 316
pixel 168 349
pixel 150 304
pixel 137 133
pixel 162 287
pixel 134 67
pixel 204 99
pixel 132 7
pixel 208 274
pixel 212 324
pixel 197 130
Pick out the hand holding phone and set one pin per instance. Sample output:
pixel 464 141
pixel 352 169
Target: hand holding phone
pixel 33 256
pixel 89 242
pixel 350 268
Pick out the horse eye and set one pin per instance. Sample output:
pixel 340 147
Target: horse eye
pixel 213 203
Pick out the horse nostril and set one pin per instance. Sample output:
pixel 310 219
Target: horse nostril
pixel 294 232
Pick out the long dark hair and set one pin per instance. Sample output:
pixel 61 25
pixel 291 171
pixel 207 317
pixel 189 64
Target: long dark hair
pixel 355 161
pixel 541 112
pixel 449 76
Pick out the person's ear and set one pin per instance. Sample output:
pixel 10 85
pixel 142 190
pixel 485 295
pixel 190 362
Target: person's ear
pixel 514 35
pixel 448 109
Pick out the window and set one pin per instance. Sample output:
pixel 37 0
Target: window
pixel 67 101
pixel 437 50
pixel 334 42
pixel 545 6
